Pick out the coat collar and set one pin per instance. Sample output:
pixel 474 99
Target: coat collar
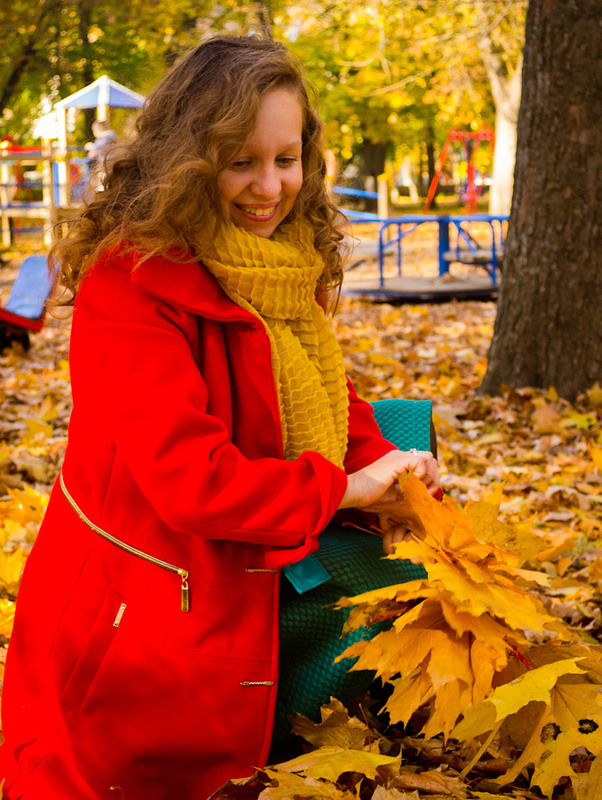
pixel 187 284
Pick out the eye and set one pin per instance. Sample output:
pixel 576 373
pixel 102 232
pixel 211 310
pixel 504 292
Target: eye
pixel 240 163
pixel 287 161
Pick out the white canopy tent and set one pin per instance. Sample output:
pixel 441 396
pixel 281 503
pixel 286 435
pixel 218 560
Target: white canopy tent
pixel 102 94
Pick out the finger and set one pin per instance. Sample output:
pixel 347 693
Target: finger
pixel 393 537
pixel 423 464
pixel 426 469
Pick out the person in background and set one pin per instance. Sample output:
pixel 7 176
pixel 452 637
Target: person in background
pixel 104 140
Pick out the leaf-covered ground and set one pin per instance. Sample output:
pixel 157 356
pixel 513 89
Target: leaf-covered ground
pixel 547 453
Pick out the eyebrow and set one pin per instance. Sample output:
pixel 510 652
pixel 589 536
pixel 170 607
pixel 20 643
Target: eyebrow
pixel 290 146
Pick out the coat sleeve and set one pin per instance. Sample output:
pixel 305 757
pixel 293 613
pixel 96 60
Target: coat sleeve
pixel 366 443
pixel 134 376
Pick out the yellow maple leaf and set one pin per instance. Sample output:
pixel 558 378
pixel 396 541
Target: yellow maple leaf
pixel 11 567
pixel 470 612
pixel 517 538
pixel 288 786
pixel 594 395
pixel 7 616
pixel 595 570
pixel 563 710
pixel 581 421
pixel 34 426
pixel 546 420
pixel 337 728
pixel 555 543
pixel 330 762
pixel 534 685
pixel 596 455
pixel 572 719
pixel 381 360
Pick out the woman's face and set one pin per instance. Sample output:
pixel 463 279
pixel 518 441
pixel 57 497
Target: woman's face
pixel 259 188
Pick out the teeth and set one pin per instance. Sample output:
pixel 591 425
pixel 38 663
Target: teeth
pixel 258 212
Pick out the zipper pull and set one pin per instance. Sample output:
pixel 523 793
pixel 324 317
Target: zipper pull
pixel 117 621
pixel 185 590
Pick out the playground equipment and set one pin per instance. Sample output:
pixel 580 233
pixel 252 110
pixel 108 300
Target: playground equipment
pixel 64 171
pixel 458 241
pixel 17 193
pixel 381 196
pixel 25 310
pixel 470 140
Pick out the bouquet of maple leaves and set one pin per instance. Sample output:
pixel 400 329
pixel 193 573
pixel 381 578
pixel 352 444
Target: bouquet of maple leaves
pixel 476 649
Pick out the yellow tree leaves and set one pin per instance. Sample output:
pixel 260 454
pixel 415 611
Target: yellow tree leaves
pixel 558 707
pixel 20 517
pixel 336 770
pixel 463 622
pixel 458 637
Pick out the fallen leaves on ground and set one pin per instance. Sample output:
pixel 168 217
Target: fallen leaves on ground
pixel 462 623
pixel 546 452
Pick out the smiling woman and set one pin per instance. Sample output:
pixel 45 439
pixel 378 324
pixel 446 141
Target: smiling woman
pixel 258 190
pixel 213 437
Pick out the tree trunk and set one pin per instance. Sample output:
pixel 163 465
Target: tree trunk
pixel 373 165
pixel 22 61
pixel 87 72
pixel 430 162
pixel 506 94
pixel 506 90
pixel 548 330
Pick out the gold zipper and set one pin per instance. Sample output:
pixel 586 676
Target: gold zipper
pixel 184 575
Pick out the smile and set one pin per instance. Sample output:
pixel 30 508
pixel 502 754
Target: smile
pixel 257 212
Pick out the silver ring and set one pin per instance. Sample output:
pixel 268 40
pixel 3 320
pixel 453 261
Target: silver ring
pixel 412 451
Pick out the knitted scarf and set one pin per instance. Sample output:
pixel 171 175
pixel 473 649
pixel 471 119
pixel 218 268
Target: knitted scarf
pixel 276 279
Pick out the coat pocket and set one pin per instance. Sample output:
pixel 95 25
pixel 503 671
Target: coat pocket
pixel 104 629
pixel 142 713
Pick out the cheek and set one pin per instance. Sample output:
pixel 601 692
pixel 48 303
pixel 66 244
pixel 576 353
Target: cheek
pixel 294 184
pixel 226 187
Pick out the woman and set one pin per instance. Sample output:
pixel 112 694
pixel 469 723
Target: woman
pixel 213 436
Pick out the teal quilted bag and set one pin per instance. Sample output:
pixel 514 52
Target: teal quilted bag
pixel 310 630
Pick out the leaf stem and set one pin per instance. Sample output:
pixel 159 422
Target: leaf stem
pixel 480 751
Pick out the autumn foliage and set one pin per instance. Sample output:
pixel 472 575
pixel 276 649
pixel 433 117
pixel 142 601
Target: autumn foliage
pixel 474 647
pixel 492 665
pixel 461 641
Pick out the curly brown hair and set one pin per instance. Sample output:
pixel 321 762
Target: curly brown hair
pixel 160 189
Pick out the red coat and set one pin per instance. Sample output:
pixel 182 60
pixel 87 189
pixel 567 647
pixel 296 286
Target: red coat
pixel 174 448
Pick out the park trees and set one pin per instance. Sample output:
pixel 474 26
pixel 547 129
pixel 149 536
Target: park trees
pixel 548 330
pixel 392 77
pixel 395 77
pixel 55 47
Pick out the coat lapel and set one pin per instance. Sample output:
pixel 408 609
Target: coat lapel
pixel 190 286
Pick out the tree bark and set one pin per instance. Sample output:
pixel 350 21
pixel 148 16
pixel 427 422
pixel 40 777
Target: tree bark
pixel 548 330
pixel 506 90
pixel 430 162
pixel 373 165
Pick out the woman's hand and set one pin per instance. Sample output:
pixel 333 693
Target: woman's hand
pixel 374 488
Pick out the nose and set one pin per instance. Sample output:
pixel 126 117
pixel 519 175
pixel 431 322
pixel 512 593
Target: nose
pixel 266 182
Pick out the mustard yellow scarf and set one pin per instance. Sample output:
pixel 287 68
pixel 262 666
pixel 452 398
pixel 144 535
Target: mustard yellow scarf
pixel 276 279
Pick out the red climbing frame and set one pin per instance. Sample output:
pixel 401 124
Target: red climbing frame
pixel 472 194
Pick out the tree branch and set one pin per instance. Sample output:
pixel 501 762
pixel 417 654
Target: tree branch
pixel 22 61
